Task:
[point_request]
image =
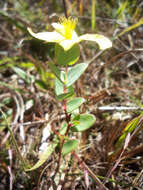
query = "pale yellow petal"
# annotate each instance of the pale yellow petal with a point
(75, 36)
(68, 43)
(101, 40)
(58, 27)
(47, 36)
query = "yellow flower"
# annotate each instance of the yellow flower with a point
(66, 36)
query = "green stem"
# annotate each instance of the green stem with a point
(67, 120)
(93, 17)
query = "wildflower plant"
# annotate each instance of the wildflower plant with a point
(66, 55)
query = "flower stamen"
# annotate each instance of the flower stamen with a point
(69, 25)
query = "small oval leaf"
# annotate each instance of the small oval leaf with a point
(85, 122)
(74, 104)
(75, 72)
(63, 128)
(65, 96)
(59, 89)
(56, 71)
(59, 86)
(69, 146)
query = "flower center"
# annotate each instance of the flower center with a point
(69, 25)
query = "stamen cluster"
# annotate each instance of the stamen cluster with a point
(69, 25)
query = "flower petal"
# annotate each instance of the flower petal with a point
(102, 41)
(58, 27)
(47, 36)
(68, 43)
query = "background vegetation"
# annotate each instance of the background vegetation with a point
(112, 86)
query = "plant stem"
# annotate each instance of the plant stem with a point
(67, 120)
(93, 17)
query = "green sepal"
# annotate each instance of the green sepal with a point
(69, 57)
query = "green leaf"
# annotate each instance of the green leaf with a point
(41, 84)
(132, 27)
(85, 122)
(65, 95)
(75, 122)
(69, 146)
(56, 71)
(74, 104)
(22, 74)
(23, 161)
(69, 57)
(44, 156)
(27, 65)
(128, 129)
(59, 89)
(8, 60)
(42, 72)
(59, 86)
(63, 128)
(121, 9)
(75, 72)
(76, 118)
(3, 123)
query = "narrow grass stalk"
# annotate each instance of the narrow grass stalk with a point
(24, 164)
(93, 14)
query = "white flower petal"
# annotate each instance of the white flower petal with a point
(58, 27)
(74, 35)
(102, 41)
(68, 43)
(47, 36)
